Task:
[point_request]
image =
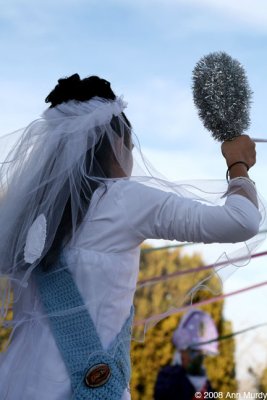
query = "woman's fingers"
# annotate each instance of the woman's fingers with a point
(242, 148)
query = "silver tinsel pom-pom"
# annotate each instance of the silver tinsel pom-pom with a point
(222, 95)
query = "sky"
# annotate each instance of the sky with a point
(147, 49)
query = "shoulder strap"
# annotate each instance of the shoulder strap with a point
(95, 374)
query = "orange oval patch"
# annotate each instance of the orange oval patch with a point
(97, 375)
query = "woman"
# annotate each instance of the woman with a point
(74, 219)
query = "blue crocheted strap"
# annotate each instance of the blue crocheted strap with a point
(118, 359)
(77, 339)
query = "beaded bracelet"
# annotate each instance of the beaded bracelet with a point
(230, 166)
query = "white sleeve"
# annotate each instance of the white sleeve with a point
(155, 214)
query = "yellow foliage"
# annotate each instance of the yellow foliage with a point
(263, 382)
(157, 350)
(5, 332)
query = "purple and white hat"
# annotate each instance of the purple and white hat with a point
(195, 328)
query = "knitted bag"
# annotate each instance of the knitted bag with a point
(95, 374)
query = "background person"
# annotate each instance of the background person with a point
(187, 375)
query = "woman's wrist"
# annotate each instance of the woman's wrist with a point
(237, 169)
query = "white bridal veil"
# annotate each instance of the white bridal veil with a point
(53, 164)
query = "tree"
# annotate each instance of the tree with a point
(5, 332)
(157, 350)
(263, 382)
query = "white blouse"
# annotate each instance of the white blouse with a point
(104, 261)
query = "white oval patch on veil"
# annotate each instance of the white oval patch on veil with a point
(35, 240)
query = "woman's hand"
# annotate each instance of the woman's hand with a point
(242, 149)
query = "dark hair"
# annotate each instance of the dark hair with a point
(74, 88)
